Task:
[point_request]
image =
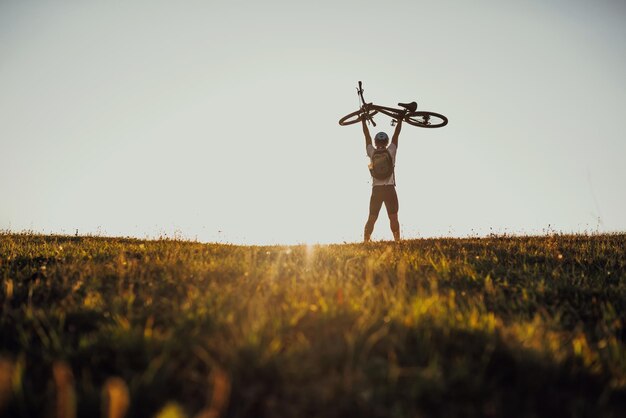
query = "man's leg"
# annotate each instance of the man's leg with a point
(376, 203)
(369, 227)
(392, 206)
(395, 226)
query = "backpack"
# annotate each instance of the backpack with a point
(381, 165)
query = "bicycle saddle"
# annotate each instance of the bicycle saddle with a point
(411, 107)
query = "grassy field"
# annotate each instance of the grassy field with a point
(476, 327)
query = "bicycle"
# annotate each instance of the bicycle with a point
(408, 113)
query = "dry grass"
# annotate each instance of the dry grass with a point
(501, 326)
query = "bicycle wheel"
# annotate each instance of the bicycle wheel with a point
(426, 119)
(355, 117)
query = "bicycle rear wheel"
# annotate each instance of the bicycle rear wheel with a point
(426, 119)
(355, 117)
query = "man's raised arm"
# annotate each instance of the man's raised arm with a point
(396, 133)
(366, 132)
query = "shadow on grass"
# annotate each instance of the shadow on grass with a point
(394, 370)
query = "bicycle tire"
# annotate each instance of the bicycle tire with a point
(424, 119)
(346, 120)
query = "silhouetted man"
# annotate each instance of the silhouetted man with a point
(383, 189)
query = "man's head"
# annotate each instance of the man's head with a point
(381, 140)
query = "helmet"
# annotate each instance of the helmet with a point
(381, 137)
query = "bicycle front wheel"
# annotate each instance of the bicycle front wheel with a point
(355, 117)
(426, 119)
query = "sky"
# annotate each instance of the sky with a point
(217, 121)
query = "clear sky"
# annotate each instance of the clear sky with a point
(217, 120)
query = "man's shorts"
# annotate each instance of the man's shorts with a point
(386, 194)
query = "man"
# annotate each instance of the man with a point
(383, 190)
